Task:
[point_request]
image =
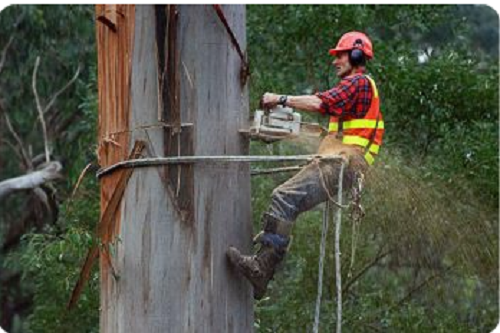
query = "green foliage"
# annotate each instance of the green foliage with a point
(51, 264)
(448, 115)
(50, 254)
(51, 261)
(49, 32)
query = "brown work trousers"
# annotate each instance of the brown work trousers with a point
(317, 182)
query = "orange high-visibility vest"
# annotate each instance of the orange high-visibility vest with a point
(366, 132)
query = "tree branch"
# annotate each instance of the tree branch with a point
(14, 148)
(66, 86)
(26, 159)
(40, 110)
(4, 53)
(421, 286)
(31, 180)
(372, 263)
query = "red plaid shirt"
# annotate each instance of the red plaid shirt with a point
(352, 96)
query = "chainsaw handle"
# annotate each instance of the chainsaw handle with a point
(269, 105)
(263, 107)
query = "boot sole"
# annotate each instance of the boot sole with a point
(233, 254)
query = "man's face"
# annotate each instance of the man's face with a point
(342, 65)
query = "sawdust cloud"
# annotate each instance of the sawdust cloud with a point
(431, 222)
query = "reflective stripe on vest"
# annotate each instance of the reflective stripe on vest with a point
(374, 86)
(356, 124)
(360, 141)
(369, 158)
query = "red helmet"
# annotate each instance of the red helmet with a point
(354, 40)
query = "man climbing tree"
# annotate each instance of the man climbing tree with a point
(355, 133)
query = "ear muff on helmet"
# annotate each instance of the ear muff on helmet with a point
(356, 55)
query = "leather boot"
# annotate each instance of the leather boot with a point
(259, 269)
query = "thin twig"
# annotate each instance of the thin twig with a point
(372, 263)
(4, 53)
(26, 159)
(421, 286)
(380, 311)
(66, 86)
(40, 110)
(80, 178)
(14, 148)
(69, 205)
(11, 39)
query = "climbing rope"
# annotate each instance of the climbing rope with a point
(356, 214)
(324, 232)
(325, 187)
(337, 251)
(338, 276)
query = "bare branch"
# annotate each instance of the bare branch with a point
(31, 180)
(380, 255)
(40, 111)
(66, 86)
(37, 160)
(14, 148)
(80, 178)
(19, 19)
(4, 53)
(25, 158)
(42, 196)
(61, 125)
(11, 39)
(425, 283)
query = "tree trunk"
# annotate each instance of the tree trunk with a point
(170, 76)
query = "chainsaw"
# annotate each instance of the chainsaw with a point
(281, 123)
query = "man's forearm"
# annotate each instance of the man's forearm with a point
(309, 103)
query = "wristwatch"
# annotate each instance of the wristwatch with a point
(282, 100)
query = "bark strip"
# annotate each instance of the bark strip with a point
(105, 227)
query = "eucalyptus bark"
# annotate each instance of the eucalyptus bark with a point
(182, 96)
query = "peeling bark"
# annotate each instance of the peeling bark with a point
(174, 227)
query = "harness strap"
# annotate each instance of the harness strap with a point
(340, 129)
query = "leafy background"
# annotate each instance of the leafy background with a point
(426, 255)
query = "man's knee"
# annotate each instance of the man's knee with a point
(278, 193)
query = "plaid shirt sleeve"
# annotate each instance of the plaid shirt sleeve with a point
(352, 96)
